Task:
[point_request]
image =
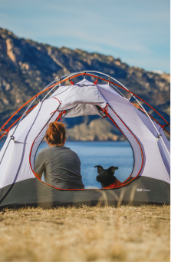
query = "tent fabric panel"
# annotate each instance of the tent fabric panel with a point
(153, 162)
(163, 143)
(8, 169)
(13, 169)
(20, 144)
(82, 110)
(164, 147)
(25, 124)
(32, 192)
(86, 93)
(147, 122)
(5, 161)
(134, 144)
(164, 138)
(109, 89)
(5, 145)
(164, 154)
(126, 112)
(61, 89)
(84, 82)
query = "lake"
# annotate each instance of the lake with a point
(105, 153)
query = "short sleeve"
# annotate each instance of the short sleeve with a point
(39, 166)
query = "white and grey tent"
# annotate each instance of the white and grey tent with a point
(149, 181)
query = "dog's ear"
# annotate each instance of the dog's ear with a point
(113, 168)
(99, 168)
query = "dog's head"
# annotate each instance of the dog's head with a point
(106, 176)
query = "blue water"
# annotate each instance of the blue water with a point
(105, 154)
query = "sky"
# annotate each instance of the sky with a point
(136, 31)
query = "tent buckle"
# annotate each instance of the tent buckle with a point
(159, 136)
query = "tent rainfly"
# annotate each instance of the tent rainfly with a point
(149, 181)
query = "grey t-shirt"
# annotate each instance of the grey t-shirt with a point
(61, 167)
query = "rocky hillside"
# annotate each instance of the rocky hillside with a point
(27, 66)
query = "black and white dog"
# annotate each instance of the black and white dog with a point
(106, 176)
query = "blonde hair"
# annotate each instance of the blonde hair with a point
(55, 134)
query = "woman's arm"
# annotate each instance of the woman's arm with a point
(39, 166)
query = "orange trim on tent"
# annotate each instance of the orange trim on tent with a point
(69, 78)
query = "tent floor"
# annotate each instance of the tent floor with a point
(32, 192)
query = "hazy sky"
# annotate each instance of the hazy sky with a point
(137, 31)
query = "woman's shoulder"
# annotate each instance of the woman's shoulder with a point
(71, 152)
(69, 149)
(44, 151)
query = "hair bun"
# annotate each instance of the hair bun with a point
(55, 133)
(53, 127)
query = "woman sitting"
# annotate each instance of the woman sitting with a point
(61, 166)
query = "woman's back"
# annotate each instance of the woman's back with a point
(61, 167)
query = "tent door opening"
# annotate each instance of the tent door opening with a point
(112, 152)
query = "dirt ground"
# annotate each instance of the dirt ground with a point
(123, 233)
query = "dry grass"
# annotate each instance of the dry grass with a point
(86, 234)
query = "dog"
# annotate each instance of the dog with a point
(106, 177)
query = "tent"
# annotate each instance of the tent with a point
(149, 181)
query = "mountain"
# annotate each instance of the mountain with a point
(26, 67)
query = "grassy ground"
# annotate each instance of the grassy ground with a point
(123, 233)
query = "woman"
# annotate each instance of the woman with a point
(61, 166)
